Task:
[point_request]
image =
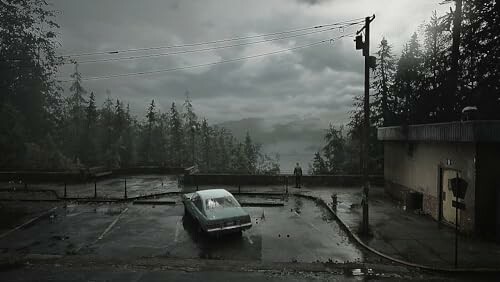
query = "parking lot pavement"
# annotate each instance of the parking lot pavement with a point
(297, 231)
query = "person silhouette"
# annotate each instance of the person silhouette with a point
(297, 171)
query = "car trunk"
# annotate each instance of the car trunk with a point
(235, 213)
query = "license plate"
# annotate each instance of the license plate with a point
(229, 223)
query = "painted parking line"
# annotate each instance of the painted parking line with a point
(248, 238)
(177, 228)
(27, 222)
(103, 233)
(111, 225)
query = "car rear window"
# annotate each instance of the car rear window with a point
(222, 202)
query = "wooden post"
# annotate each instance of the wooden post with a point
(125, 188)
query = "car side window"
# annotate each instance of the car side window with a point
(198, 203)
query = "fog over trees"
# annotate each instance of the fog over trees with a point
(40, 128)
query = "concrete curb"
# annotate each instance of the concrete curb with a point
(358, 240)
(149, 202)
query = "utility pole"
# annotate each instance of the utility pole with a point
(369, 62)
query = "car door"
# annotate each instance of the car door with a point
(198, 207)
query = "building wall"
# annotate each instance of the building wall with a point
(415, 166)
(488, 190)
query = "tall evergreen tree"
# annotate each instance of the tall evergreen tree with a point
(30, 101)
(251, 154)
(408, 82)
(76, 107)
(479, 82)
(205, 145)
(190, 130)
(383, 100)
(318, 166)
(176, 136)
(434, 102)
(91, 152)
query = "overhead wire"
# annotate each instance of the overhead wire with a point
(212, 63)
(207, 49)
(112, 52)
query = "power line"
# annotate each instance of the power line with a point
(206, 49)
(112, 52)
(212, 63)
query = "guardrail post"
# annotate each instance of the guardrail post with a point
(286, 183)
(95, 188)
(65, 194)
(125, 188)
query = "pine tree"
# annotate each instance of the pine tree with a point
(148, 134)
(205, 145)
(409, 77)
(106, 117)
(130, 155)
(76, 103)
(190, 130)
(480, 56)
(31, 107)
(91, 152)
(251, 156)
(383, 101)
(176, 137)
(319, 166)
(334, 149)
(434, 103)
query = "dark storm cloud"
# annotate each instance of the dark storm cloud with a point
(316, 83)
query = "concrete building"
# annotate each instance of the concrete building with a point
(423, 158)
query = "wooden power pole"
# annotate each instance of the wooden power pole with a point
(369, 63)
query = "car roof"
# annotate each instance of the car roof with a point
(213, 193)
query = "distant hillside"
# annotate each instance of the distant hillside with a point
(295, 141)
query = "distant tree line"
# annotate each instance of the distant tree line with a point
(427, 83)
(42, 128)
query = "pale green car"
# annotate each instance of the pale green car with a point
(216, 211)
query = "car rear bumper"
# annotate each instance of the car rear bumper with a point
(233, 228)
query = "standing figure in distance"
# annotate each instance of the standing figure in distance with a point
(297, 171)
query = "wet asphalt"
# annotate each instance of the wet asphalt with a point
(298, 231)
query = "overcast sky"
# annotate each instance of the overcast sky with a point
(312, 83)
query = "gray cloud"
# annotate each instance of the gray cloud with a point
(316, 83)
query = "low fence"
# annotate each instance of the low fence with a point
(308, 180)
(88, 174)
(149, 170)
